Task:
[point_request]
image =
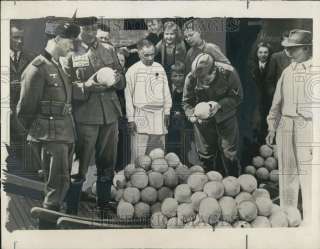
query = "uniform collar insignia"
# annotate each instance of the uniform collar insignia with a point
(53, 75)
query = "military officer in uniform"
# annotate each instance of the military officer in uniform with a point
(44, 109)
(96, 110)
(218, 83)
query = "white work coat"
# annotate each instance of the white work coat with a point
(147, 98)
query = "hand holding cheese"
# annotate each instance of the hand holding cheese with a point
(105, 76)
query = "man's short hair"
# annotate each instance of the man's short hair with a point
(17, 26)
(192, 25)
(179, 67)
(153, 19)
(144, 43)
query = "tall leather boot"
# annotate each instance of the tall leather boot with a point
(73, 197)
(208, 164)
(104, 196)
(231, 167)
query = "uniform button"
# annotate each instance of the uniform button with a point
(51, 117)
(55, 84)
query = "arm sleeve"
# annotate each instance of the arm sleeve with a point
(117, 66)
(128, 93)
(274, 116)
(189, 97)
(233, 98)
(188, 62)
(217, 53)
(32, 84)
(271, 74)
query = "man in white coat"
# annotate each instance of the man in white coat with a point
(148, 102)
(290, 119)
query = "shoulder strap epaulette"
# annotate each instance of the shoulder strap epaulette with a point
(224, 66)
(38, 61)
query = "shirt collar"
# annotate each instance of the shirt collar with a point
(305, 64)
(202, 45)
(12, 54)
(92, 45)
(262, 63)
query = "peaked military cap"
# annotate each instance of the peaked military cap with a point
(67, 30)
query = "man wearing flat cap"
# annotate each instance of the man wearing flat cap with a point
(44, 110)
(290, 124)
(96, 110)
(218, 85)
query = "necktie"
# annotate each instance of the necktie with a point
(15, 58)
(261, 67)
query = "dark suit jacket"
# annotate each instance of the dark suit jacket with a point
(15, 76)
(259, 75)
(278, 62)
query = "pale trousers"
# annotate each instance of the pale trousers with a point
(294, 144)
(142, 144)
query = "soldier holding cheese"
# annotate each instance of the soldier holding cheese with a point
(219, 86)
(96, 111)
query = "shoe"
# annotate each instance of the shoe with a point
(107, 210)
(72, 198)
(85, 196)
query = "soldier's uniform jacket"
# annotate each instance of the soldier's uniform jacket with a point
(225, 89)
(94, 104)
(44, 107)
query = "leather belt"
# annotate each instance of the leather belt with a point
(55, 108)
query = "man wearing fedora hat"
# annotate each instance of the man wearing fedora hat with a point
(44, 110)
(290, 122)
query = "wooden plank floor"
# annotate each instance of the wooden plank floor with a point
(19, 207)
(19, 217)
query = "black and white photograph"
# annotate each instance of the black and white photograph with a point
(174, 122)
